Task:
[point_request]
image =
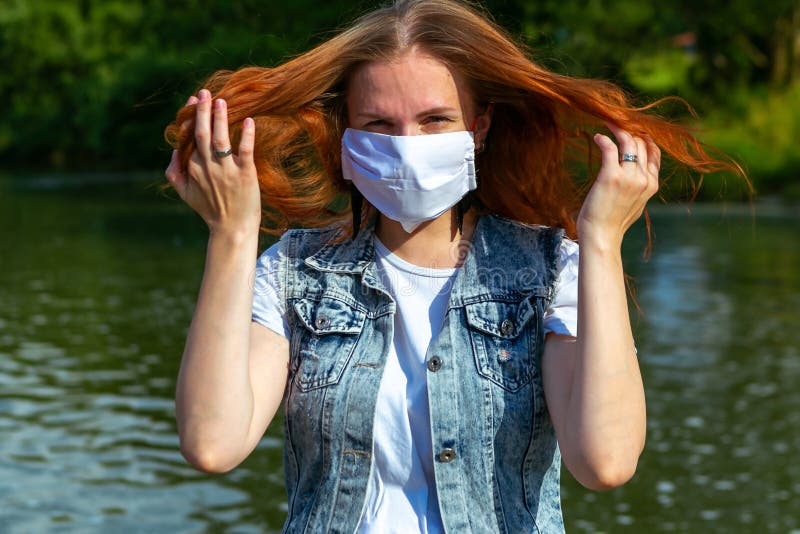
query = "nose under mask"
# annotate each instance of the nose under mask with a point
(410, 179)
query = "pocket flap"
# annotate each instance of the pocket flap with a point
(329, 315)
(500, 319)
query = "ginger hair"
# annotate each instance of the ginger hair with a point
(540, 119)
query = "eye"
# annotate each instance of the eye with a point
(439, 118)
(377, 122)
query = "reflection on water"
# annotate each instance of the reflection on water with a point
(719, 351)
(97, 289)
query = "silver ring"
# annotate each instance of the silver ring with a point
(219, 154)
(629, 157)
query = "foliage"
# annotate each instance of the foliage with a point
(763, 133)
(90, 84)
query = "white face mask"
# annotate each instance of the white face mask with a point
(412, 178)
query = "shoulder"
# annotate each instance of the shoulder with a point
(536, 239)
(294, 244)
(303, 242)
(530, 251)
(500, 221)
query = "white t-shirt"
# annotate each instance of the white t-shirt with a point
(401, 494)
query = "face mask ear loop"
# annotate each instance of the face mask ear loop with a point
(478, 147)
(464, 204)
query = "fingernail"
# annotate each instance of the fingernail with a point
(219, 103)
(248, 122)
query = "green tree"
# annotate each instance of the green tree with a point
(90, 84)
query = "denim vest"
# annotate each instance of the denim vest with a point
(497, 463)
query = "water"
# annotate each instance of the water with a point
(97, 286)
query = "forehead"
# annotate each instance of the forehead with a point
(413, 81)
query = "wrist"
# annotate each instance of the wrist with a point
(599, 242)
(234, 236)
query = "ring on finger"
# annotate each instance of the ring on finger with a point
(629, 157)
(219, 154)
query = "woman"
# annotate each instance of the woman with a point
(438, 345)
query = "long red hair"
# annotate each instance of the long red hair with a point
(539, 124)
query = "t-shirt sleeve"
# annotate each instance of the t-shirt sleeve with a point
(268, 308)
(562, 315)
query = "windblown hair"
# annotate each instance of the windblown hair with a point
(540, 119)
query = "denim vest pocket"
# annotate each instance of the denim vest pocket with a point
(503, 335)
(323, 339)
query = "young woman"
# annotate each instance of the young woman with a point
(438, 344)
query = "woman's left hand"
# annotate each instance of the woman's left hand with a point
(592, 382)
(622, 188)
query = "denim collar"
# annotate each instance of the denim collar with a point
(354, 255)
(350, 256)
(479, 276)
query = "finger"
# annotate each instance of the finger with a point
(608, 150)
(627, 144)
(653, 166)
(220, 139)
(173, 172)
(197, 172)
(192, 100)
(175, 176)
(643, 179)
(202, 124)
(196, 168)
(247, 143)
(653, 157)
(641, 153)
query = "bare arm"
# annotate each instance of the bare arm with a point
(593, 384)
(233, 371)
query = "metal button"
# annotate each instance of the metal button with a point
(507, 327)
(434, 363)
(323, 321)
(447, 455)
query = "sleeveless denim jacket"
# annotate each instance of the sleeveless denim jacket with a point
(497, 463)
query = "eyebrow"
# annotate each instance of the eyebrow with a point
(432, 111)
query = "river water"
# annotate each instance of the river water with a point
(97, 286)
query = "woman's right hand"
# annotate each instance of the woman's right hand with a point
(233, 371)
(222, 190)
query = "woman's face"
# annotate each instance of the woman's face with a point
(414, 94)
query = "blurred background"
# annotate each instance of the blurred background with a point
(99, 270)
